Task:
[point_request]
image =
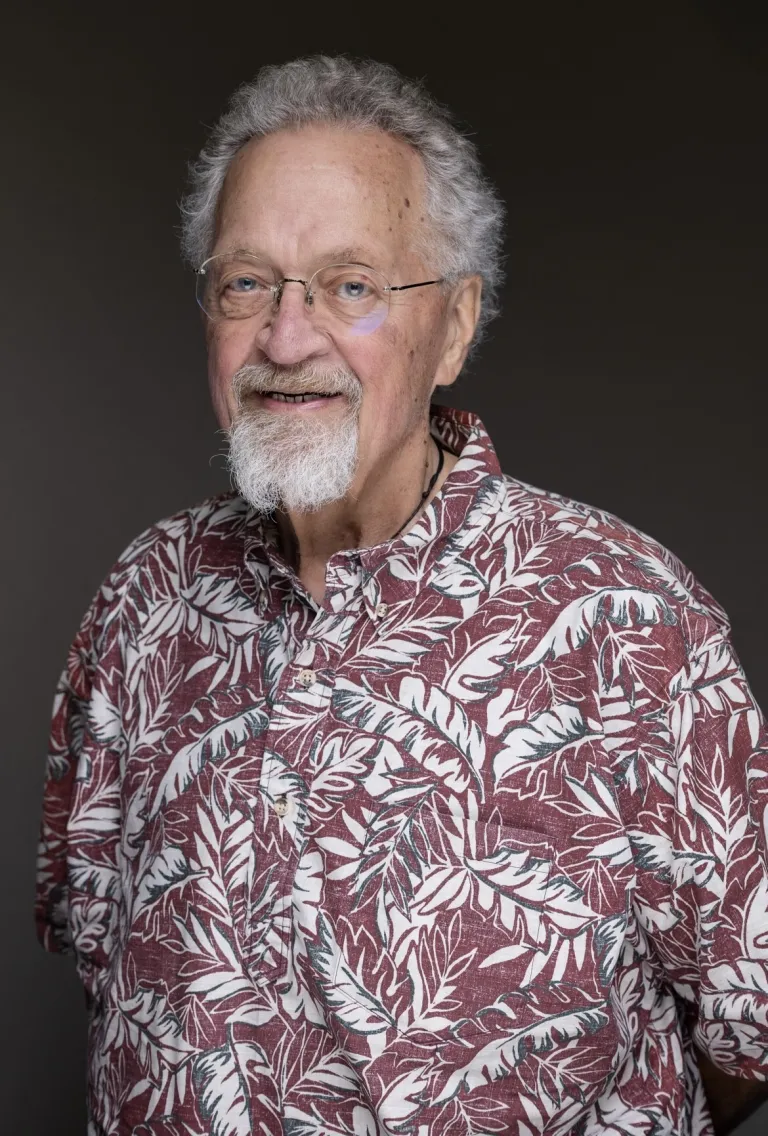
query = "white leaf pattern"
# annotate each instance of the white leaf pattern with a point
(397, 862)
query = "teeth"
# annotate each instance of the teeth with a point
(280, 397)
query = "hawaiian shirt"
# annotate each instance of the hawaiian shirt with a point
(476, 845)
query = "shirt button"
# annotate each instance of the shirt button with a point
(280, 805)
(381, 611)
(307, 678)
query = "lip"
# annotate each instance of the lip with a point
(277, 405)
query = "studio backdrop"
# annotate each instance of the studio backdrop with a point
(626, 370)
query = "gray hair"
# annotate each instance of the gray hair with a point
(465, 212)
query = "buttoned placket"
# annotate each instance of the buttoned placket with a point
(378, 587)
(364, 584)
(308, 680)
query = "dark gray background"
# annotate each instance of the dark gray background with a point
(629, 141)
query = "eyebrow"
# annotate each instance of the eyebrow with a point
(348, 255)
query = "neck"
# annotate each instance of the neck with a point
(378, 504)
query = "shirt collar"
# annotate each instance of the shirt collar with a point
(456, 516)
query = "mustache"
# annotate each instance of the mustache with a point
(303, 378)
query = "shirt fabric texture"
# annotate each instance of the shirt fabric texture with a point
(475, 846)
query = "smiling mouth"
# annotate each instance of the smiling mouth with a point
(279, 396)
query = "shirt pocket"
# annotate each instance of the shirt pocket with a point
(437, 926)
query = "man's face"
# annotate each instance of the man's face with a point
(301, 200)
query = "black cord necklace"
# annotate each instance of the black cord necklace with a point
(428, 490)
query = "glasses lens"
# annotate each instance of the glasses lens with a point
(352, 292)
(234, 286)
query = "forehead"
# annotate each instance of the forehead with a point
(300, 192)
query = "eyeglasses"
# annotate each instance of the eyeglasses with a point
(238, 286)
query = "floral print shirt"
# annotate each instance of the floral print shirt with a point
(475, 846)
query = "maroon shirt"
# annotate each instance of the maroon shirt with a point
(477, 845)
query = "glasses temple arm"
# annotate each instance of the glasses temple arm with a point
(421, 284)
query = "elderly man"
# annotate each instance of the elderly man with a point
(389, 794)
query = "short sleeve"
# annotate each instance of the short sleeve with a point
(698, 809)
(77, 887)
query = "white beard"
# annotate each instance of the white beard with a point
(298, 462)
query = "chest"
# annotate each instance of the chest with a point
(367, 778)
(378, 822)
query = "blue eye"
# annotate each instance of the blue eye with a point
(245, 284)
(354, 290)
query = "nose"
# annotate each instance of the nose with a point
(290, 335)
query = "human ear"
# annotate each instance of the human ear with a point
(461, 321)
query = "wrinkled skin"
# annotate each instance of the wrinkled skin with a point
(302, 199)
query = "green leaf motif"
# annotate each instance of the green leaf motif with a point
(219, 737)
(227, 1083)
(168, 868)
(543, 736)
(501, 1056)
(609, 943)
(425, 721)
(623, 607)
(154, 1029)
(346, 995)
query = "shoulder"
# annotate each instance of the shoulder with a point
(588, 547)
(170, 551)
(214, 521)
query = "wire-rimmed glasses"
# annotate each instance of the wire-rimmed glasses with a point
(238, 285)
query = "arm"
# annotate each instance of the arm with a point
(696, 816)
(731, 1099)
(68, 728)
(77, 873)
